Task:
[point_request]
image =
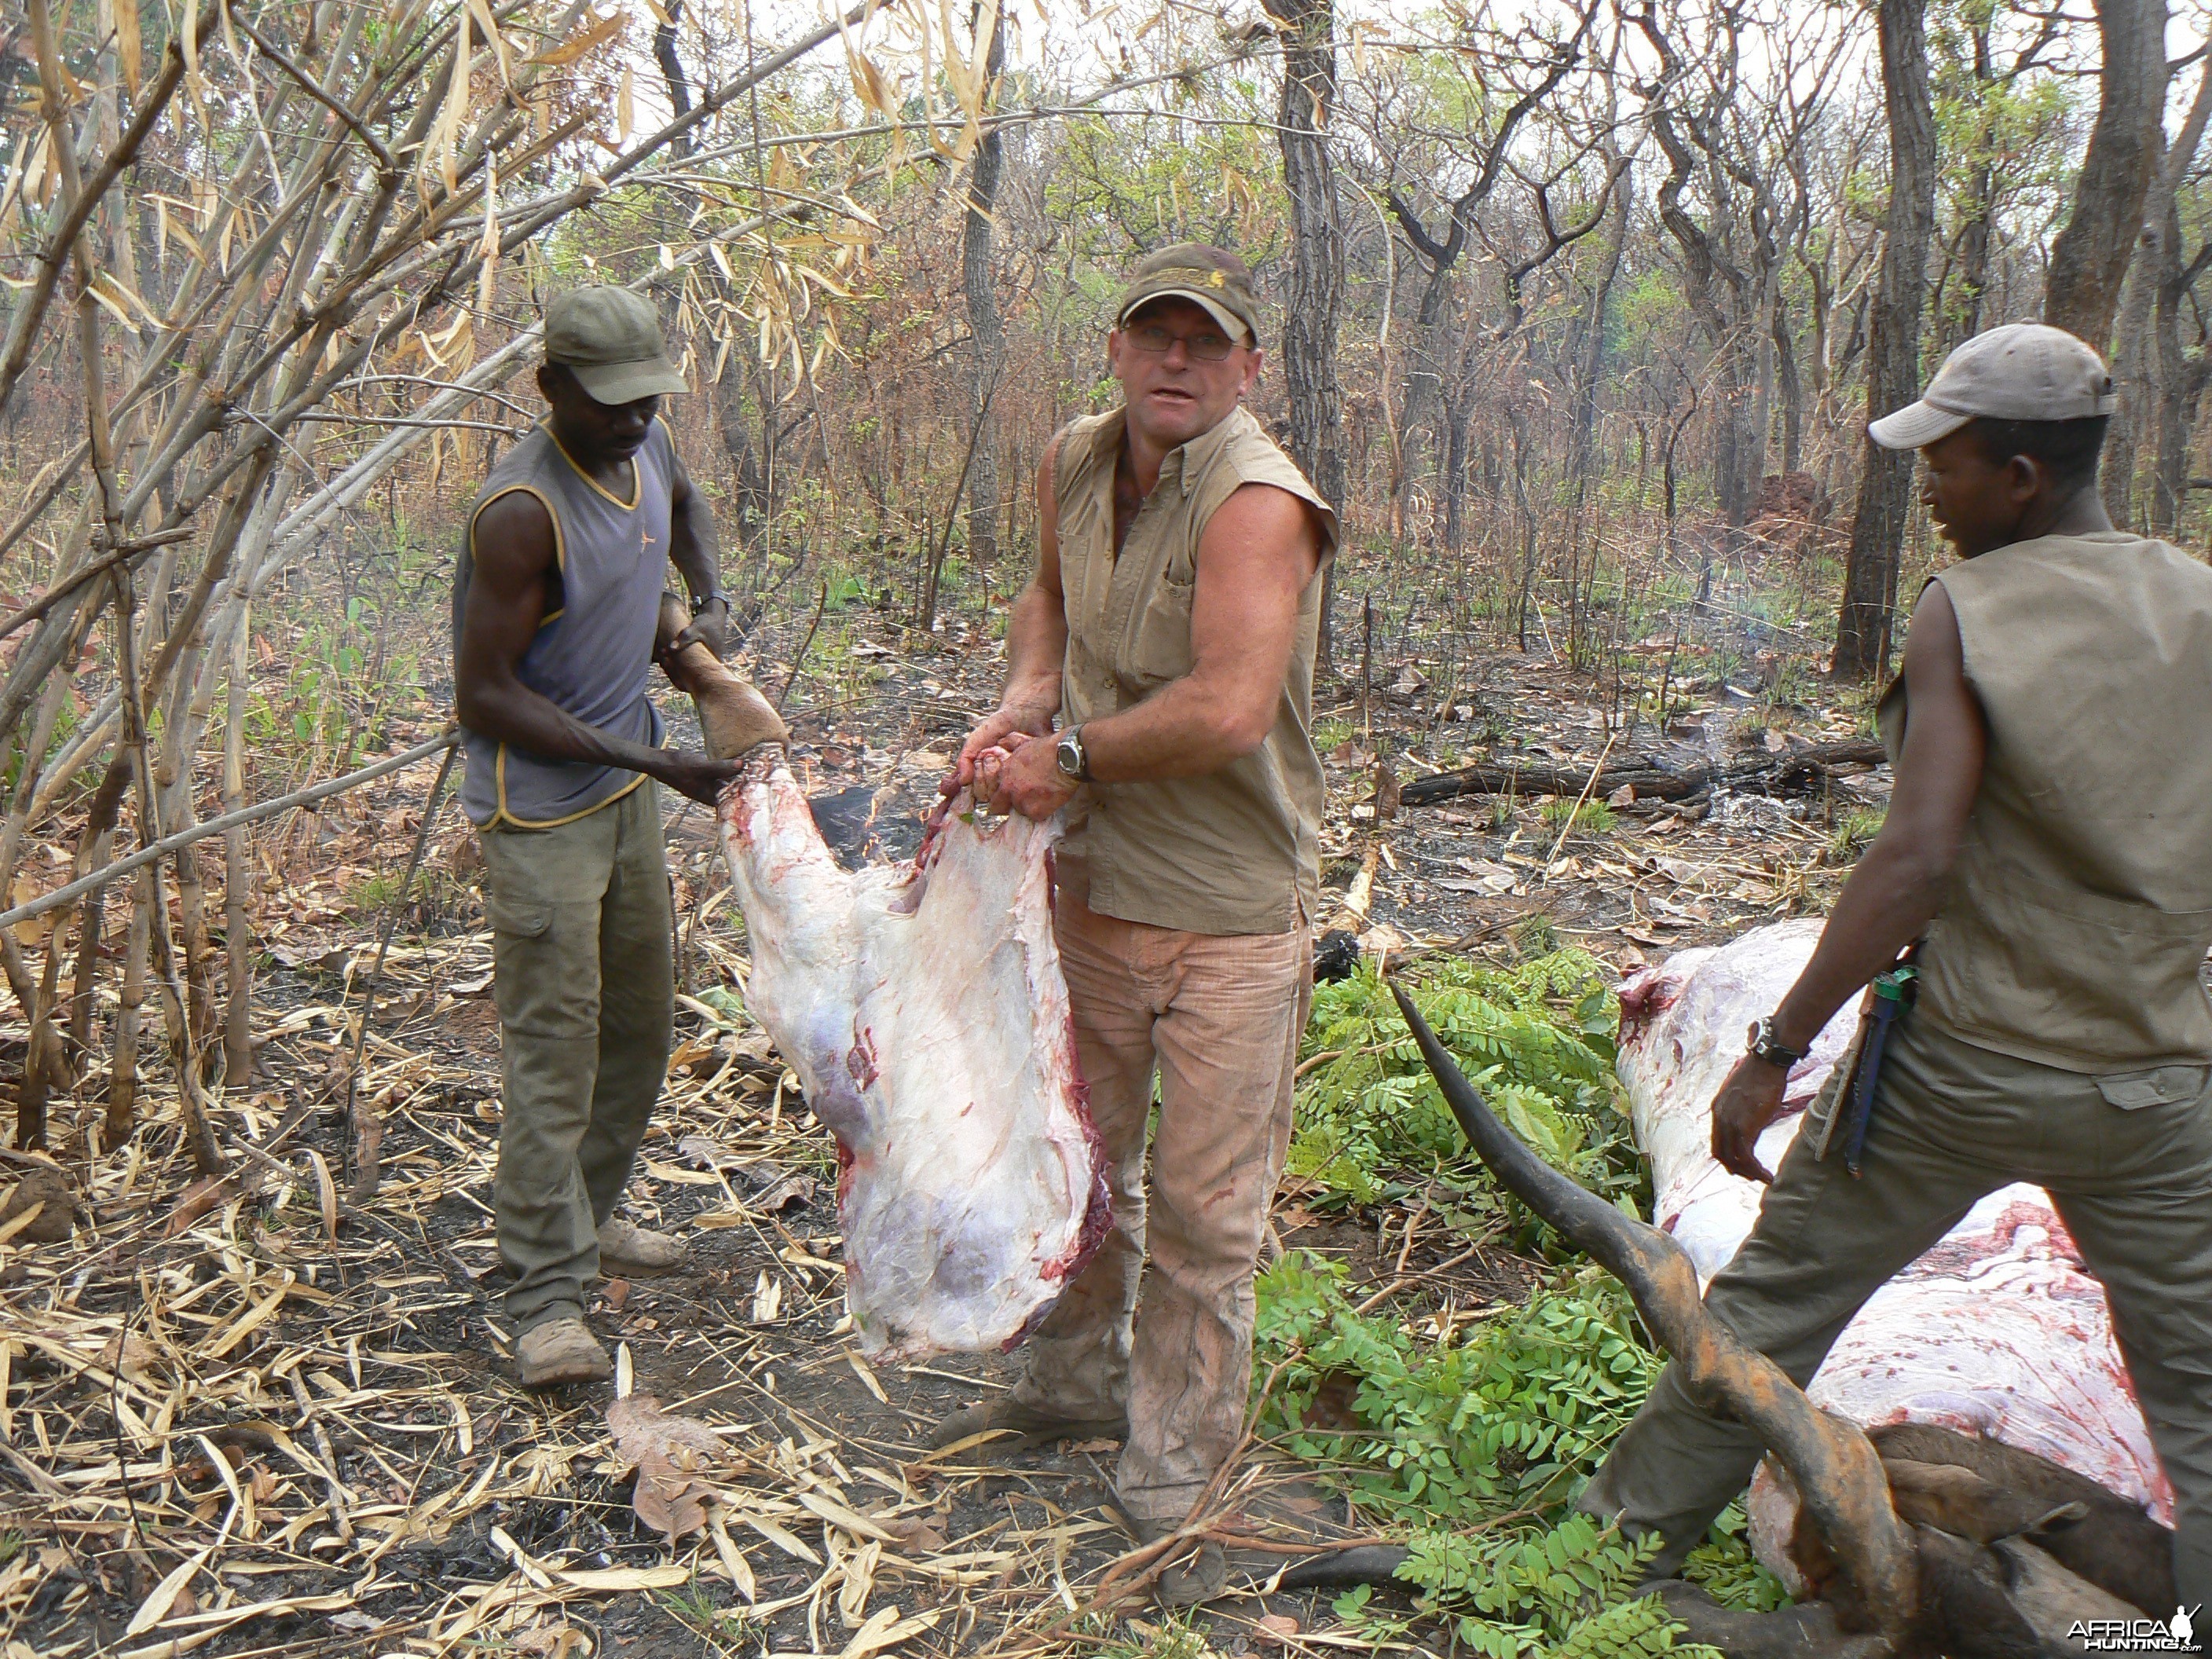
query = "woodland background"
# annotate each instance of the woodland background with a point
(1580, 305)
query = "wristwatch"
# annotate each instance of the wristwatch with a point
(712, 595)
(1762, 1046)
(1067, 755)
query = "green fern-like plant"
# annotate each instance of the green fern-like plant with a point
(1642, 1629)
(1537, 1039)
(1725, 1569)
(1509, 1418)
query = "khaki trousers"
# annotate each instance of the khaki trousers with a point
(2128, 1162)
(583, 969)
(1219, 1018)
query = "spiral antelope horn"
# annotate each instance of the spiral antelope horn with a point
(1840, 1477)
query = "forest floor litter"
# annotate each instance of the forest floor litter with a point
(251, 1418)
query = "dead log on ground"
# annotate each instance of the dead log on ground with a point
(1798, 768)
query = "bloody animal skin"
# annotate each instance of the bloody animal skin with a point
(1998, 1331)
(923, 1009)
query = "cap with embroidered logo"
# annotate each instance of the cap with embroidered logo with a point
(1206, 276)
(2019, 371)
(609, 340)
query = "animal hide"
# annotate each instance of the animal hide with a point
(1999, 1330)
(922, 1007)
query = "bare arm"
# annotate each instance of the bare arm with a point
(512, 552)
(1898, 886)
(1259, 553)
(695, 548)
(1037, 640)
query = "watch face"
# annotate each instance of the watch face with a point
(1069, 754)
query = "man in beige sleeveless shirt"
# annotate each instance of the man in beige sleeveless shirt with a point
(1171, 626)
(2050, 843)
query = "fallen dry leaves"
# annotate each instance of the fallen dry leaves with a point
(670, 1457)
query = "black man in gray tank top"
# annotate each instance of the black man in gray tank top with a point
(556, 599)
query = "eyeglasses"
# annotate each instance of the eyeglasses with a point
(1206, 348)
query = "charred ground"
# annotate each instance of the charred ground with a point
(320, 1449)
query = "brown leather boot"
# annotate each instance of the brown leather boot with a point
(629, 1251)
(1200, 1577)
(734, 717)
(560, 1350)
(1198, 1573)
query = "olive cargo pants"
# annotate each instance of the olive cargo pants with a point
(583, 969)
(2128, 1162)
(1219, 1018)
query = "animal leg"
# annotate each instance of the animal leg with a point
(733, 716)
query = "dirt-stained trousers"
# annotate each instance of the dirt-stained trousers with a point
(1218, 1018)
(583, 969)
(2127, 1159)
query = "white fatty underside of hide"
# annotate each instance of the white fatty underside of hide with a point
(922, 1007)
(1998, 1330)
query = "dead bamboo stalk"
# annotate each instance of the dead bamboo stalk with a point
(123, 1065)
(238, 1012)
(147, 854)
(368, 1121)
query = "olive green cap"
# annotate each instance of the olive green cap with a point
(609, 340)
(1204, 274)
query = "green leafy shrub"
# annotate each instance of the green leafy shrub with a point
(1537, 1039)
(1526, 1592)
(1480, 1439)
(1480, 1443)
(1724, 1567)
(1641, 1628)
(1508, 1420)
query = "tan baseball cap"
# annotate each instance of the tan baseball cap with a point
(609, 340)
(1204, 274)
(2020, 372)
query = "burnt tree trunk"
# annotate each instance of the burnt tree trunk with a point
(1963, 320)
(2089, 261)
(1789, 385)
(1590, 356)
(2179, 380)
(1974, 255)
(2144, 363)
(1316, 290)
(987, 337)
(1870, 568)
(746, 468)
(672, 71)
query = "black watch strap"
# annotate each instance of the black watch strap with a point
(1764, 1047)
(712, 595)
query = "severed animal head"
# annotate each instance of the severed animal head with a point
(1930, 1541)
